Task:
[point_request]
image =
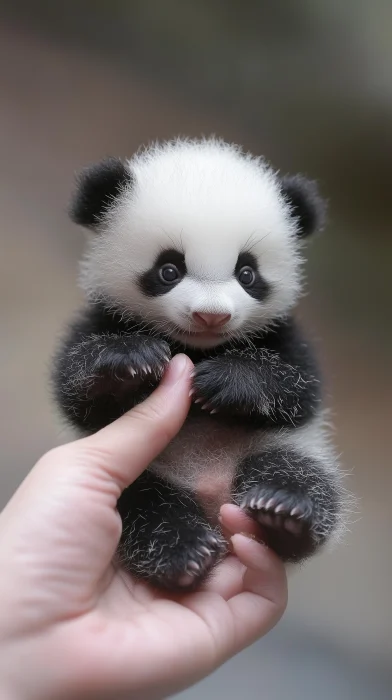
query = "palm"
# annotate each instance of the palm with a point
(129, 634)
(134, 632)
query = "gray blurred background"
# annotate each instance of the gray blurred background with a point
(309, 85)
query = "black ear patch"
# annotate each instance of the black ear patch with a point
(97, 186)
(307, 206)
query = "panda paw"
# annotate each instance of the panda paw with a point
(286, 519)
(189, 563)
(212, 388)
(149, 360)
(132, 358)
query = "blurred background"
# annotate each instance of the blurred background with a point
(309, 85)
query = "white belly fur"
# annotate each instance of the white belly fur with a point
(206, 453)
(203, 458)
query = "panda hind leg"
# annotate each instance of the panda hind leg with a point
(294, 498)
(167, 540)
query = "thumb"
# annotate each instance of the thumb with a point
(125, 448)
(113, 457)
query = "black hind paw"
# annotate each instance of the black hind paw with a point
(188, 563)
(286, 519)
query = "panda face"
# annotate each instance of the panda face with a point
(199, 309)
(195, 239)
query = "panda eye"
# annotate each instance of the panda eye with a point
(169, 273)
(246, 276)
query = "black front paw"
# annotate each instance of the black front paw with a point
(222, 385)
(133, 359)
(287, 519)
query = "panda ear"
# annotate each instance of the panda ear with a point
(97, 187)
(307, 206)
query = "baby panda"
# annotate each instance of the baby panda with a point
(195, 247)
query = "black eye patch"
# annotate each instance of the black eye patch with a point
(168, 270)
(248, 276)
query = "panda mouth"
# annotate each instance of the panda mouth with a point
(204, 334)
(210, 337)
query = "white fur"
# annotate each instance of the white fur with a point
(210, 201)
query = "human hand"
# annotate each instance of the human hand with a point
(72, 624)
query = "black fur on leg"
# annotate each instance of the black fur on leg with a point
(166, 539)
(293, 497)
(98, 376)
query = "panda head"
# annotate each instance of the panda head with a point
(195, 238)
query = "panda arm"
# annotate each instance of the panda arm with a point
(102, 369)
(274, 382)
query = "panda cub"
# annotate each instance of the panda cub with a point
(196, 248)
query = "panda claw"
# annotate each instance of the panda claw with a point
(296, 513)
(279, 508)
(194, 566)
(204, 550)
(212, 539)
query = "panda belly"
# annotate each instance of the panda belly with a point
(203, 458)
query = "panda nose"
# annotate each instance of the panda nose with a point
(211, 320)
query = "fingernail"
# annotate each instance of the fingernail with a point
(249, 536)
(175, 370)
